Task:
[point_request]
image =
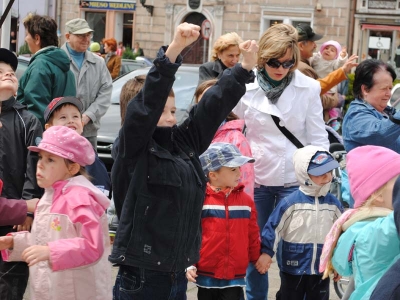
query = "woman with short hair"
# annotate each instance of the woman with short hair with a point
(113, 61)
(225, 54)
(282, 92)
(48, 75)
(369, 120)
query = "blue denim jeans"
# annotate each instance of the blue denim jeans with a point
(141, 284)
(265, 198)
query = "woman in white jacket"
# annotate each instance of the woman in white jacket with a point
(282, 91)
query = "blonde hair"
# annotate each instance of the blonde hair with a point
(224, 42)
(370, 202)
(274, 43)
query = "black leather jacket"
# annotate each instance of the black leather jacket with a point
(157, 177)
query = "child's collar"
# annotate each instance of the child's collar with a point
(226, 190)
(366, 213)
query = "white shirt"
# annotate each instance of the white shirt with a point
(299, 109)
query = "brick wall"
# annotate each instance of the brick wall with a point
(242, 16)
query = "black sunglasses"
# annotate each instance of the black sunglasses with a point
(274, 63)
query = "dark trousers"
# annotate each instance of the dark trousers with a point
(303, 287)
(232, 293)
(13, 280)
(141, 284)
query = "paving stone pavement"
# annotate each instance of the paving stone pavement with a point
(274, 283)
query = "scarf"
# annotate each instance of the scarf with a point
(108, 56)
(272, 92)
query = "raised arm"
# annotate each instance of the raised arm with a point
(185, 34)
(205, 118)
(144, 111)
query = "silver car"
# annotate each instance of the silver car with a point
(184, 87)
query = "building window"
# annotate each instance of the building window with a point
(97, 21)
(269, 22)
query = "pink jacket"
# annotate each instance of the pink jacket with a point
(231, 132)
(70, 218)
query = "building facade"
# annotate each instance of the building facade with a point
(21, 8)
(369, 28)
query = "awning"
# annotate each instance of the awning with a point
(380, 27)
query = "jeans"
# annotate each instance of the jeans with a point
(141, 284)
(13, 280)
(230, 293)
(265, 198)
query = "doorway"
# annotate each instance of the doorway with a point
(193, 54)
(127, 30)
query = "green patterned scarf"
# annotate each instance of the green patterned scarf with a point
(271, 91)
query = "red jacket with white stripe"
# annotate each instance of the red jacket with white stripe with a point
(230, 234)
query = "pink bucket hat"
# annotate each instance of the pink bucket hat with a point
(369, 168)
(331, 43)
(66, 143)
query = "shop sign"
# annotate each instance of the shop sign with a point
(107, 5)
(379, 43)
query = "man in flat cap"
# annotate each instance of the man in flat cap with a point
(93, 81)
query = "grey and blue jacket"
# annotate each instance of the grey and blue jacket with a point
(301, 221)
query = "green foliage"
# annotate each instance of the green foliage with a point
(24, 49)
(128, 54)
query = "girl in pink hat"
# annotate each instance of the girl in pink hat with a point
(68, 245)
(364, 241)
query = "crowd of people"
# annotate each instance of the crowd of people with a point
(245, 177)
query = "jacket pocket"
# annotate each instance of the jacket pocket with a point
(162, 169)
(157, 224)
(293, 255)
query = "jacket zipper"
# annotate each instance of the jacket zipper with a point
(314, 255)
(227, 234)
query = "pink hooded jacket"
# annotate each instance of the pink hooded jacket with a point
(231, 132)
(70, 218)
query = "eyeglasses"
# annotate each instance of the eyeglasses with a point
(274, 63)
(83, 35)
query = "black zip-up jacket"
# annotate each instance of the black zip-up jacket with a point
(157, 178)
(17, 164)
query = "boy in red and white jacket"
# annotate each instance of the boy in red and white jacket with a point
(230, 234)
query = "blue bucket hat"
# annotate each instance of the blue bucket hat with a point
(222, 155)
(322, 162)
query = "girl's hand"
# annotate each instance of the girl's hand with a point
(249, 51)
(34, 254)
(191, 274)
(6, 242)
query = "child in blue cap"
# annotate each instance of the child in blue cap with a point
(302, 220)
(230, 234)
